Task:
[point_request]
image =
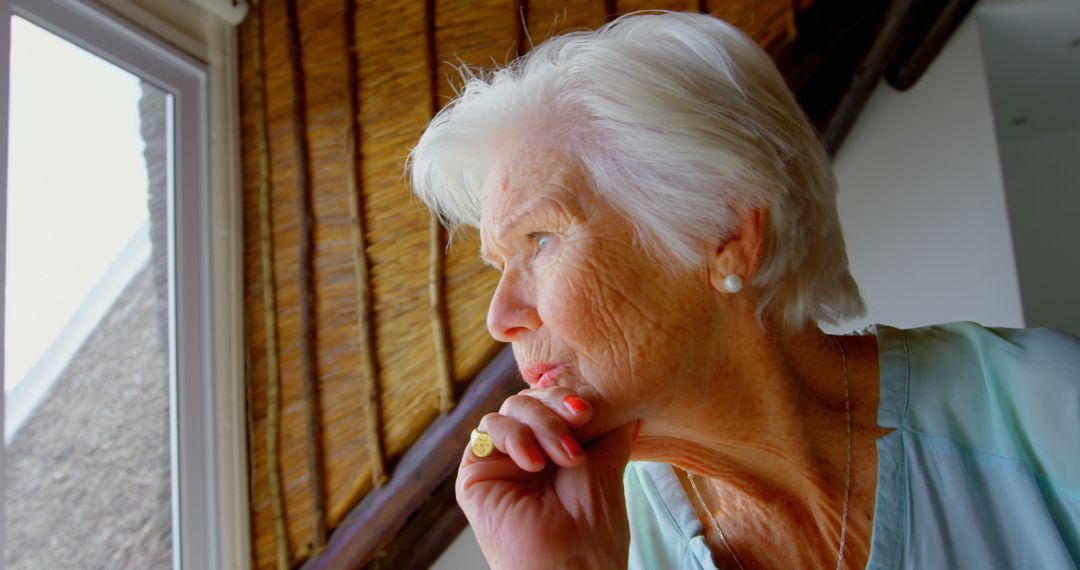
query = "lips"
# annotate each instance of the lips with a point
(541, 374)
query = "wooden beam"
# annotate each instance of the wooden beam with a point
(934, 24)
(867, 75)
(838, 58)
(833, 38)
(428, 533)
(831, 35)
(844, 48)
(427, 465)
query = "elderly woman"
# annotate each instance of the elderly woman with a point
(664, 220)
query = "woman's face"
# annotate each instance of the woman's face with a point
(583, 304)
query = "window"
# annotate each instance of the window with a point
(113, 338)
(86, 363)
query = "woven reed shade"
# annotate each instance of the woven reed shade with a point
(394, 102)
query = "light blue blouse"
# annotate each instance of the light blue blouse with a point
(982, 470)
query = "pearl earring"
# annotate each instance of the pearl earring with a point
(733, 283)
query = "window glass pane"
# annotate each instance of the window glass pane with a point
(86, 343)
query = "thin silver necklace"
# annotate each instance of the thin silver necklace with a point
(847, 478)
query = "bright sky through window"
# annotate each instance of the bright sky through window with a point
(77, 185)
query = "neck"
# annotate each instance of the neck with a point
(770, 431)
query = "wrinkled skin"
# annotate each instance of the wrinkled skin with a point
(577, 290)
(589, 296)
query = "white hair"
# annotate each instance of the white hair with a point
(680, 122)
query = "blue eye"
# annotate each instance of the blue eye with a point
(541, 241)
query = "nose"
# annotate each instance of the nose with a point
(512, 313)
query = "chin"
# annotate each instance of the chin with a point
(607, 417)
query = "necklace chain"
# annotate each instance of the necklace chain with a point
(847, 468)
(847, 478)
(712, 519)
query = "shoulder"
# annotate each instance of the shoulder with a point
(958, 356)
(1005, 392)
(967, 356)
(994, 347)
(984, 448)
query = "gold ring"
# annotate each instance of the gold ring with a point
(481, 443)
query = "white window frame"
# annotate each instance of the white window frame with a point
(207, 393)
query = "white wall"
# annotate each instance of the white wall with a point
(922, 203)
(922, 200)
(1032, 65)
(463, 554)
(1042, 177)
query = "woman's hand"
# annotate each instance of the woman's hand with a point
(543, 500)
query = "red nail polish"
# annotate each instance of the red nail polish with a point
(575, 404)
(535, 456)
(573, 449)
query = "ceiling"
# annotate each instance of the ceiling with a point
(1032, 54)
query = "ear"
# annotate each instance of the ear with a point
(741, 254)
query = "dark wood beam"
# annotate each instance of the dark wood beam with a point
(868, 74)
(831, 34)
(845, 47)
(841, 53)
(934, 23)
(429, 464)
(427, 534)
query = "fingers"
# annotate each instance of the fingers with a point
(514, 439)
(563, 402)
(551, 415)
(535, 426)
(476, 470)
